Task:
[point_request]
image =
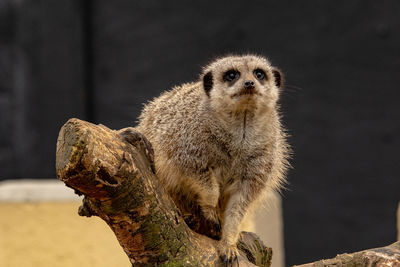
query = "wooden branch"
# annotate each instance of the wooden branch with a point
(119, 185)
(384, 256)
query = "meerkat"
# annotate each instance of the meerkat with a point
(219, 144)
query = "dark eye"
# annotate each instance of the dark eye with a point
(259, 74)
(231, 75)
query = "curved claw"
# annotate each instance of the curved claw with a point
(237, 261)
(229, 257)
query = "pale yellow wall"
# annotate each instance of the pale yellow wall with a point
(266, 221)
(53, 235)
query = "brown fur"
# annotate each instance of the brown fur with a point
(217, 150)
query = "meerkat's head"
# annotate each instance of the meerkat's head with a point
(237, 83)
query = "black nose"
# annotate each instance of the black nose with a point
(249, 84)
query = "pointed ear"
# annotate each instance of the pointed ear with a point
(278, 77)
(208, 82)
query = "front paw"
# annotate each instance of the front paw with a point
(228, 255)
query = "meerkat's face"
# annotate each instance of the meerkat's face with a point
(236, 83)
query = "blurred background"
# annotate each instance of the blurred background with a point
(101, 60)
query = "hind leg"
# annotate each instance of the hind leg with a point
(196, 196)
(201, 217)
(210, 219)
(198, 204)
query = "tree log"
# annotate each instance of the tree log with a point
(118, 182)
(384, 256)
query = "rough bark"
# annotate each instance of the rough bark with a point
(384, 256)
(119, 185)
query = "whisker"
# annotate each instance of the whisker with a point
(293, 87)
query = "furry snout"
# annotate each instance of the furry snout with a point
(248, 91)
(249, 84)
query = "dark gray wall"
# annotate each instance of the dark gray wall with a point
(100, 60)
(41, 82)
